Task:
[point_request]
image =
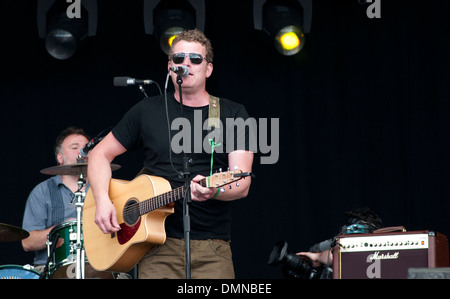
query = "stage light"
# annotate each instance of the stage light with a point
(286, 22)
(166, 19)
(65, 25)
(289, 40)
(64, 36)
(170, 23)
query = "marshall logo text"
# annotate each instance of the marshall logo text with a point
(384, 256)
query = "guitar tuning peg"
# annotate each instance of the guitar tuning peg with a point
(222, 189)
(237, 184)
(236, 168)
(220, 170)
(229, 186)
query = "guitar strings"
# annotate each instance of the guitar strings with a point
(156, 202)
(153, 203)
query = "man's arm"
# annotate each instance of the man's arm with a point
(243, 160)
(37, 240)
(319, 258)
(99, 175)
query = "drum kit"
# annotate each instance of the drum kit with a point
(65, 248)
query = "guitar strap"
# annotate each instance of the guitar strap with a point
(213, 121)
(214, 112)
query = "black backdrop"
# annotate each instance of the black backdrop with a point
(363, 113)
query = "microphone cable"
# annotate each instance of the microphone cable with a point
(179, 173)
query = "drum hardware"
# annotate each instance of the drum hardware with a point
(11, 233)
(72, 169)
(63, 257)
(79, 169)
(79, 196)
(51, 246)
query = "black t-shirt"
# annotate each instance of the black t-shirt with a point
(145, 126)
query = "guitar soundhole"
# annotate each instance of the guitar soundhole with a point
(131, 212)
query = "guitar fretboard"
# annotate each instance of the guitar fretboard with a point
(164, 199)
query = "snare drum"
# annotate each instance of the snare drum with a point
(18, 272)
(64, 258)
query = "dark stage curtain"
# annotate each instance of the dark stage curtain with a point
(363, 114)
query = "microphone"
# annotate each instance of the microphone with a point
(127, 81)
(325, 245)
(91, 144)
(181, 70)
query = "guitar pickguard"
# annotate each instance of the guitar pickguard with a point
(127, 232)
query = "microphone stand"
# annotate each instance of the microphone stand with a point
(187, 197)
(80, 253)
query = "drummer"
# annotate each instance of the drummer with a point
(49, 203)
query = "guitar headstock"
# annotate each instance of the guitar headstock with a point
(220, 179)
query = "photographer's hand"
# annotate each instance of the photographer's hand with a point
(318, 258)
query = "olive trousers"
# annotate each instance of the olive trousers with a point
(210, 258)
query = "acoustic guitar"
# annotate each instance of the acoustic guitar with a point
(142, 206)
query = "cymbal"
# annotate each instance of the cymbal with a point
(11, 233)
(71, 169)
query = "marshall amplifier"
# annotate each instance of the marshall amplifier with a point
(388, 255)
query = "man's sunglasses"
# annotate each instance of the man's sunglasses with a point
(195, 58)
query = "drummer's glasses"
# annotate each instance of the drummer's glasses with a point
(178, 58)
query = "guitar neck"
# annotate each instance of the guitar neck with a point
(164, 199)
